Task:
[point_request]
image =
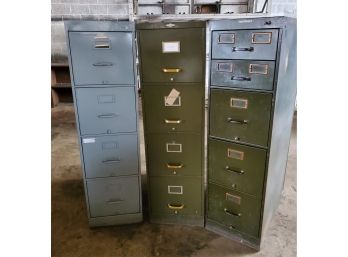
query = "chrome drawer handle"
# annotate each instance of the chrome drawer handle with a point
(111, 161)
(104, 46)
(99, 64)
(232, 213)
(171, 70)
(172, 121)
(240, 78)
(239, 172)
(233, 121)
(242, 49)
(174, 166)
(107, 115)
(115, 201)
(176, 206)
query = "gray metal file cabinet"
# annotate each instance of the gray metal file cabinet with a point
(252, 95)
(102, 65)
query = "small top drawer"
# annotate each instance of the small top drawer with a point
(242, 74)
(106, 110)
(245, 44)
(172, 55)
(102, 58)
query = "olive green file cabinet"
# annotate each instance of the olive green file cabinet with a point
(103, 68)
(251, 104)
(172, 68)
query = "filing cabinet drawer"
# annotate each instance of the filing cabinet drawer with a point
(234, 210)
(245, 44)
(172, 55)
(178, 154)
(174, 108)
(173, 195)
(113, 196)
(110, 155)
(242, 74)
(237, 166)
(240, 115)
(106, 110)
(102, 58)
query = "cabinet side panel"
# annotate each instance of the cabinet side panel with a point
(282, 121)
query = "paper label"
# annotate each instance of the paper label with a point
(88, 140)
(175, 190)
(171, 47)
(172, 97)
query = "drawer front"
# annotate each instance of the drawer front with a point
(173, 108)
(178, 154)
(149, 10)
(106, 110)
(245, 44)
(113, 196)
(242, 74)
(109, 156)
(240, 116)
(173, 195)
(172, 55)
(234, 210)
(233, 8)
(237, 167)
(102, 58)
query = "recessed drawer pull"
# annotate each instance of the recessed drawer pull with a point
(115, 201)
(170, 70)
(107, 115)
(241, 122)
(240, 78)
(174, 166)
(240, 172)
(232, 213)
(111, 161)
(242, 49)
(172, 121)
(104, 46)
(101, 64)
(175, 206)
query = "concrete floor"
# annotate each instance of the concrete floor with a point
(71, 236)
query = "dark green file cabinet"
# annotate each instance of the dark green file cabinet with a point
(251, 104)
(102, 65)
(172, 65)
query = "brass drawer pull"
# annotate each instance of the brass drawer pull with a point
(240, 172)
(111, 161)
(232, 213)
(174, 166)
(233, 121)
(176, 206)
(103, 46)
(107, 115)
(239, 78)
(102, 64)
(170, 70)
(172, 121)
(242, 49)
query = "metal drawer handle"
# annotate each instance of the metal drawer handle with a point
(239, 78)
(240, 172)
(172, 121)
(115, 201)
(232, 213)
(111, 161)
(101, 64)
(174, 166)
(233, 121)
(102, 46)
(171, 70)
(175, 206)
(242, 49)
(107, 115)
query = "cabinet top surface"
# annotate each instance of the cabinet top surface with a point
(74, 25)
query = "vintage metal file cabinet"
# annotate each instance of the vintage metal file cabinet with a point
(172, 74)
(252, 95)
(102, 64)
